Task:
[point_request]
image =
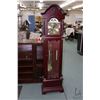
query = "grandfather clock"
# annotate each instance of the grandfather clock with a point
(53, 45)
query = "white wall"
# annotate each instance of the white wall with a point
(74, 15)
(26, 13)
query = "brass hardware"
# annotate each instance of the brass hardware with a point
(56, 55)
(49, 55)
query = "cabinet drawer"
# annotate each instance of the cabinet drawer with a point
(25, 55)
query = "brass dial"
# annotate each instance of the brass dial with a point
(53, 27)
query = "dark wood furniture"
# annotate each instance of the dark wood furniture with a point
(53, 45)
(30, 62)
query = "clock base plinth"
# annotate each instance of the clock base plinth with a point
(52, 85)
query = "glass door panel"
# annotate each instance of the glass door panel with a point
(53, 59)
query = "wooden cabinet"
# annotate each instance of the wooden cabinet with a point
(53, 45)
(30, 62)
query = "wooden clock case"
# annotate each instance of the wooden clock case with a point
(53, 45)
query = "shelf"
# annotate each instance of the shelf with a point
(25, 80)
(26, 66)
(25, 63)
(25, 59)
(25, 69)
(39, 60)
(39, 65)
(26, 72)
(25, 75)
(29, 81)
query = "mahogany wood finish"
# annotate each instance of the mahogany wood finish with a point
(52, 80)
(30, 62)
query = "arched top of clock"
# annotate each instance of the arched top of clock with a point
(54, 11)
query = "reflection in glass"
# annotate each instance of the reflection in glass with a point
(53, 59)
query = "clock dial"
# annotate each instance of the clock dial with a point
(53, 26)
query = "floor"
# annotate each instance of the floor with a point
(72, 74)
